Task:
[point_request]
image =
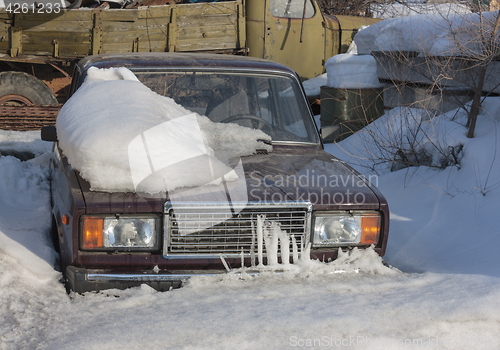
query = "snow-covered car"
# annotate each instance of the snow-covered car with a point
(173, 165)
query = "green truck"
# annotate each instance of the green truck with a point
(39, 48)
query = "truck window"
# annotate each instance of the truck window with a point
(291, 8)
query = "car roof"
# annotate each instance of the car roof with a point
(180, 60)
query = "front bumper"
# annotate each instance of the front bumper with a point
(82, 280)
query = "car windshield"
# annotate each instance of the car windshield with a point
(272, 103)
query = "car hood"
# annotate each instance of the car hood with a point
(288, 174)
(307, 175)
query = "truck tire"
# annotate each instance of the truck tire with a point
(22, 89)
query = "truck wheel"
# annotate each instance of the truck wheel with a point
(22, 89)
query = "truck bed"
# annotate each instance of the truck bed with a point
(72, 34)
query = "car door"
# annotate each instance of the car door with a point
(295, 37)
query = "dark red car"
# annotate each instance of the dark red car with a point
(122, 239)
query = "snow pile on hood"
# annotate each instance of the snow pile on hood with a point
(346, 71)
(431, 34)
(117, 132)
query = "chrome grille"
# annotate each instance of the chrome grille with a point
(215, 230)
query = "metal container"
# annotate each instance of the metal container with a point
(351, 109)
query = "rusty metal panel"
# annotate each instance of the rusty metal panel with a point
(28, 117)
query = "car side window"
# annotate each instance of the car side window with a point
(291, 8)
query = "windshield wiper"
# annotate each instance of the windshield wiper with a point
(267, 142)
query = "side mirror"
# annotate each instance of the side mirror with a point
(49, 133)
(330, 133)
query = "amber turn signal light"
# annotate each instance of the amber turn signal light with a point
(370, 226)
(93, 233)
(65, 219)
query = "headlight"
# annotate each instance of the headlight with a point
(139, 232)
(343, 229)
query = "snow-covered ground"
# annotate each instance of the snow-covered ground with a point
(445, 293)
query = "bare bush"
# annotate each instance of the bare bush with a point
(346, 7)
(461, 61)
(455, 68)
(405, 137)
